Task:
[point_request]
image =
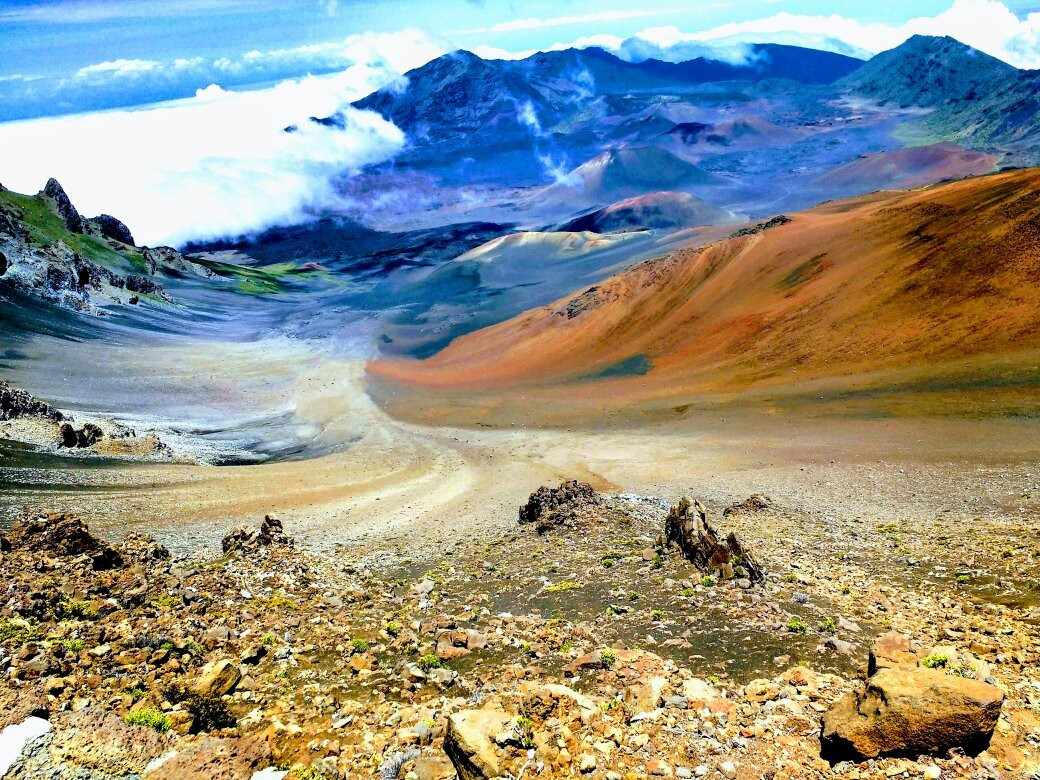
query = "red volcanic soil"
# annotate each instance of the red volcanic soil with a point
(905, 168)
(890, 282)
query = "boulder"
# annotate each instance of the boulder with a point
(249, 538)
(218, 678)
(890, 651)
(909, 712)
(687, 527)
(86, 436)
(213, 758)
(548, 508)
(470, 742)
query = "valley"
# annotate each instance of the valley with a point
(259, 494)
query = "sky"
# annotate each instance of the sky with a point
(169, 113)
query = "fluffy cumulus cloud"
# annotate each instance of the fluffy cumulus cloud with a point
(218, 163)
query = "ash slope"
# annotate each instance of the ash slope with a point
(895, 281)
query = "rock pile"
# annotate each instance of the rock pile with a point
(250, 539)
(549, 508)
(687, 528)
(63, 536)
(757, 502)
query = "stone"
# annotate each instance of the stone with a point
(889, 651)
(218, 678)
(645, 695)
(906, 712)
(15, 403)
(214, 758)
(110, 227)
(469, 742)
(687, 528)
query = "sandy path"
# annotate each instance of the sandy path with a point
(408, 487)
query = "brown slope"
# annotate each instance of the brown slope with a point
(885, 282)
(905, 168)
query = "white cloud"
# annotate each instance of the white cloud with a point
(218, 163)
(533, 23)
(119, 67)
(987, 25)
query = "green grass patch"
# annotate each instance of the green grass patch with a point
(154, 719)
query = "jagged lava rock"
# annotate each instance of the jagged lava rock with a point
(15, 403)
(54, 191)
(548, 508)
(470, 745)
(687, 527)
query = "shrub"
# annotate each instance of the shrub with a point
(559, 587)
(429, 661)
(358, 646)
(936, 661)
(16, 632)
(209, 712)
(393, 628)
(267, 639)
(797, 625)
(828, 626)
(708, 581)
(608, 657)
(154, 719)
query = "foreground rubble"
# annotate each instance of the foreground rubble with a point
(587, 650)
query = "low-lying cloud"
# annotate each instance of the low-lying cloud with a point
(218, 163)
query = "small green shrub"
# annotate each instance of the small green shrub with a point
(358, 646)
(524, 730)
(963, 579)
(797, 625)
(608, 657)
(154, 719)
(267, 639)
(16, 632)
(393, 629)
(708, 581)
(828, 626)
(936, 661)
(429, 661)
(74, 645)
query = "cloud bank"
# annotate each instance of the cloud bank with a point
(987, 25)
(218, 163)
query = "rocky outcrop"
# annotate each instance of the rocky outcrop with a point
(64, 207)
(112, 228)
(687, 528)
(51, 260)
(63, 535)
(15, 403)
(548, 508)
(909, 712)
(247, 538)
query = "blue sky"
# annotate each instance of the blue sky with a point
(56, 56)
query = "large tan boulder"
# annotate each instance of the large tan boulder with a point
(470, 742)
(218, 678)
(911, 711)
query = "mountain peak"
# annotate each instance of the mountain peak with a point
(928, 71)
(63, 205)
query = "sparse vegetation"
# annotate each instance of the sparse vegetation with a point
(151, 718)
